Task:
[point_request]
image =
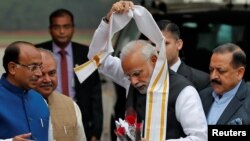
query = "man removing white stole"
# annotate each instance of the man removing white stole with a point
(166, 114)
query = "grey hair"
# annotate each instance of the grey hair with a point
(147, 51)
(49, 53)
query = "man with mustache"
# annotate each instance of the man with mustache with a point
(66, 116)
(183, 97)
(24, 115)
(174, 45)
(228, 100)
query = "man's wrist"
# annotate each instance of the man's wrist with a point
(105, 19)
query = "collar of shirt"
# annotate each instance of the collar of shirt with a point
(226, 96)
(176, 65)
(56, 49)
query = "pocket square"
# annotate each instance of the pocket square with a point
(237, 121)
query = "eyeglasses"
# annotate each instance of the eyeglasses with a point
(32, 67)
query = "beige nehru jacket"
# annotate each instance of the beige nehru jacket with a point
(66, 125)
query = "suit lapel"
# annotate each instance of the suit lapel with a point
(48, 46)
(78, 55)
(74, 53)
(184, 70)
(229, 111)
(234, 105)
(208, 102)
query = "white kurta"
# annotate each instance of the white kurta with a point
(188, 102)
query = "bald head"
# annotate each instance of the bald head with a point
(22, 62)
(17, 50)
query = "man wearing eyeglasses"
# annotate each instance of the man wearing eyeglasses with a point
(24, 115)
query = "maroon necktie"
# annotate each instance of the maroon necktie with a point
(64, 72)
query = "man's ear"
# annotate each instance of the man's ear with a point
(12, 68)
(153, 58)
(179, 44)
(241, 71)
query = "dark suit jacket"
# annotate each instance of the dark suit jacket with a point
(88, 94)
(199, 78)
(238, 108)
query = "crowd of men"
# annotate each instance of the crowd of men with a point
(41, 98)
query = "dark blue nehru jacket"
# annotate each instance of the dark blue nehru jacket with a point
(22, 111)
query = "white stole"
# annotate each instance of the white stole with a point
(157, 93)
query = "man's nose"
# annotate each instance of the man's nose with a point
(134, 80)
(213, 74)
(38, 72)
(62, 30)
(46, 78)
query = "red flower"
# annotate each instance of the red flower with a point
(130, 119)
(131, 116)
(120, 131)
(139, 126)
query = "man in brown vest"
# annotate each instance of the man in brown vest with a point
(66, 117)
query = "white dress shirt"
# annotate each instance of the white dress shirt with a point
(80, 131)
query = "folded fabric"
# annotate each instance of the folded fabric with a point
(237, 121)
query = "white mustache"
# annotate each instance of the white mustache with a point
(138, 85)
(46, 85)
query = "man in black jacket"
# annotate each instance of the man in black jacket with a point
(87, 94)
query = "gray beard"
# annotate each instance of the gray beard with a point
(143, 92)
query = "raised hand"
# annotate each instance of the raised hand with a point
(119, 7)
